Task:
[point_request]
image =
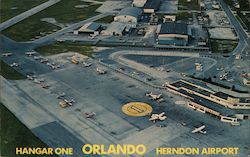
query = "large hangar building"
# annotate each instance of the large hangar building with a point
(172, 33)
(130, 15)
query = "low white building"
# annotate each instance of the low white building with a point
(115, 29)
(92, 27)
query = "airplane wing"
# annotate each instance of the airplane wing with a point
(161, 114)
(153, 118)
(163, 118)
(198, 129)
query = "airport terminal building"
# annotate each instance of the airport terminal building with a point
(221, 105)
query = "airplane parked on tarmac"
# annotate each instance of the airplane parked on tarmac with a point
(160, 116)
(200, 130)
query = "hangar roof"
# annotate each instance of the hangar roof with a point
(174, 28)
(92, 26)
(131, 11)
(152, 4)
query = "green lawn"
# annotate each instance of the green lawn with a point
(64, 12)
(107, 19)
(192, 5)
(15, 134)
(222, 46)
(243, 21)
(11, 8)
(9, 73)
(58, 47)
(183, 16)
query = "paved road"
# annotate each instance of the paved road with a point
(243, 37)
(27, 14)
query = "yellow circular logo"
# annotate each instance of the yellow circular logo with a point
(137, 109)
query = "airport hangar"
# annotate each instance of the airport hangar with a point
(173, 33)
(149, 6)
(130, 15)
(123, 22)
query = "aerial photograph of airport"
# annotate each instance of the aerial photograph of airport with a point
(136, 78)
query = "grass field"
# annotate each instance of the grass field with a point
(57, 48)
(11, 8)
(185, 5)
(183, 16)
(64, 12)
(107, 19)
(222, 46)
(9, 73)
(15, 134)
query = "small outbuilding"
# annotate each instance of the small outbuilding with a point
(92, 27)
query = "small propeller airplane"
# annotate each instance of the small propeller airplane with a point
(30, 53)
(60, 95)
(200, 130)
(154, 96)
(14, 64)
(90, 115)
(160, 116)
(100, 71)
(7, 54)
(37, 57)
(44, 60)
(66, 103)
(38, 81)
(31, 77)
(69, 102)
(45, 86)
(85, 64)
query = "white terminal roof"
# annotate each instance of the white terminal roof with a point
(116, 27)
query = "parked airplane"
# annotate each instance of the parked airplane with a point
(7, 54)
(90, 115)
(31, 77)
(60, 95)
(38, 80)
(37, 57)
(100, 71)
(200, 130)
(87, 64)
(44, 60)
(55, 66)
(45, 86)
(154, 96)
(69, 102)
(30, 53)
(160, 116)
(14, 64)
